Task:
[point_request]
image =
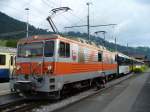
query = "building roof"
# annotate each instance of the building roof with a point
(7, 50)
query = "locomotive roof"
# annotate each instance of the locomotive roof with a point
(55, 36)
(37, 37)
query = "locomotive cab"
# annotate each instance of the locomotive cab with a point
(35, 64)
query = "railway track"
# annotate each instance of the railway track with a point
(23, 105)
(9, 100)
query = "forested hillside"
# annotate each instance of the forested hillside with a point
(138, 51)
(11, 30)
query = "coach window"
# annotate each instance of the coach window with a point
(64, 49)
(49, 49)
(2, 59)
(99, 57)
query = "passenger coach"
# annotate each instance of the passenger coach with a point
(7, 62)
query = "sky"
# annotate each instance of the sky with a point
(131, 16)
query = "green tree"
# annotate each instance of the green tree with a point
(11, 43)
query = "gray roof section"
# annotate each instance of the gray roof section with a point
(7, 50)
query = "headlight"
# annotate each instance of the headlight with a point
(39, 63)
(18, 67)
(49, 67)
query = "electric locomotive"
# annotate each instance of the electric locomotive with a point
(46, 64)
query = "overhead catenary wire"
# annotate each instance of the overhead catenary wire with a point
(36, 11)
(18, 11)
(47, 3)
(54, 4)
(77, 17)
(71, 12)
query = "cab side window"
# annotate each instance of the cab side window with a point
(49, 49)
(64, 50)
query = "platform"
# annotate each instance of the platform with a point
(4, 88)
(132, 95)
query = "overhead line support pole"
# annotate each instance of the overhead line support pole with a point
(27, 23)
(88, 21)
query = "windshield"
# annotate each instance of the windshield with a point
(29, 50)
(36, 49)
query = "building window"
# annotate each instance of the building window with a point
(2, 59)
(64, 49)
(99, 57)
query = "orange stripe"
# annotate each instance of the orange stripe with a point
(69, 68)
(62, 68)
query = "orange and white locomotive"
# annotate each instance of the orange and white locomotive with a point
(48, 63)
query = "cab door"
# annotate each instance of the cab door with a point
(64, 58)
(49, 55)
